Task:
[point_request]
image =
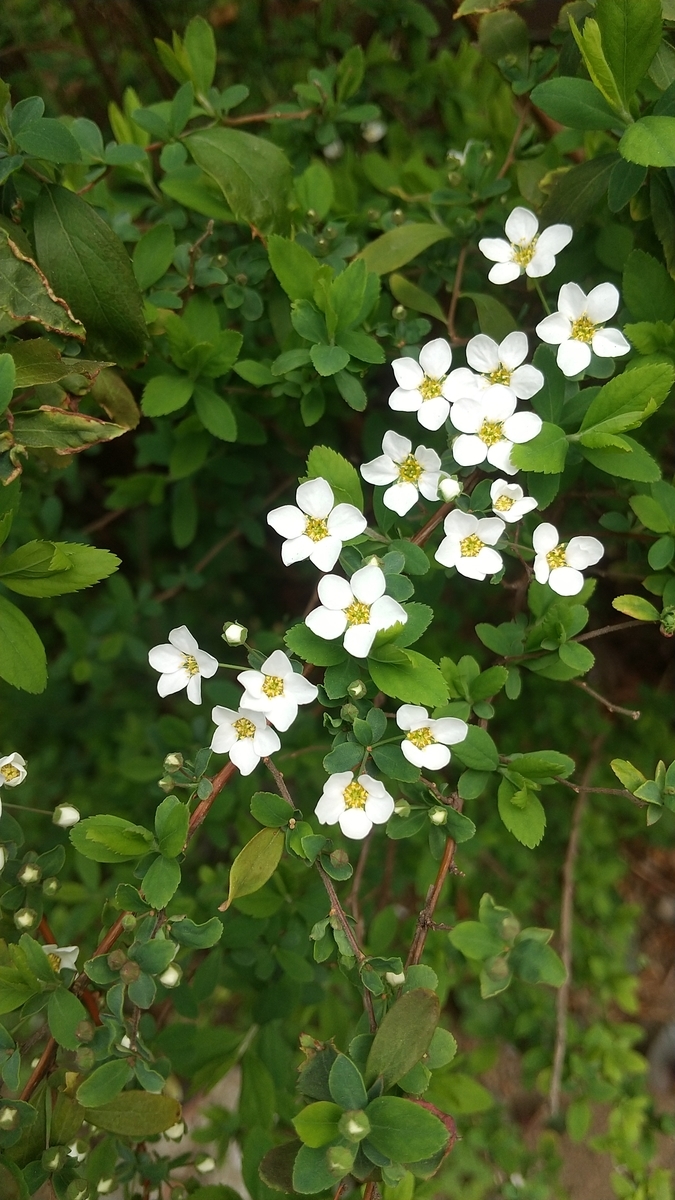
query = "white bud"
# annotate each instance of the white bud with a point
(175, 1132)
(438, 816)
(449, 488)
(395, 980)
(206, 1164)
(372, 561)
(29, 873)
(373, 131)
(125, 1042)
(235, 634)
(171, 977)
(8, 1117)
(65, 815)
(78, 1150)
(3, 857)
(334, 150)
(104, 1186)
(25, 918)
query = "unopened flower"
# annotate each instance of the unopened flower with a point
(357, 609)
(234, 633)
(509, 501)
(334, 149)
(175, 1132)
(171, 977)
(354, 804)
(578, 327)
(559, 564)
(12, 770)
(426, 741)
(78, 1151)
(422, 387)
(373, 131)
(395, 978)
(25, 918)
(205, 1164)
(500, 364)
(276, 690)
(244, 735)
(526, 249)
(182, 665)
(468, 543)
(409, 474)
(318, 527)
(65, 815)
(489, 428)
(449, 487)
(104, 1186)
(62, 958)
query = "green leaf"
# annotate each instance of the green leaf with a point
(579, 657)
(351, 390)
(270, 810)
(26, 295)
(522, 813)
(475, 940)
(255, 864)
(459, 1093)
(546, 453)
(166, 394)
(76, 567)
(574, 102)
(345, 756)
(488, 683)
(403, 1131)
(317, 1124)
(328, 360)
(324, 463)
(87, 264)
(650, 142)
(196, 191)
(648, 289)
(294, 266)
(627, 774)
(104, 1084)
(503, 35)
(7, 380)
(592, 52)
(64, 1013)
(638, 464)
(275, 1169)
(346, 1084)
(414, 297)
(631, 35)
(494, 317)
(23, 662)
(160, 881)
(543, 764)
(459, 827)
(403, 1037)
(56, 429)
(254, 174)
(625, 180)
(200, 46)
(49, 140)
(577, 194)
(215, 414)
(347, 291)
(650, 514)
(311, 648)
(311, 1173)
(134, 1114)
(636, 606)
(392, 762)
(154, 956)
(188, 933)
(106, 838)
(397, 247)
(477, 751)
(171, 826)
(536, 962)
(407, 675)
(153, 255)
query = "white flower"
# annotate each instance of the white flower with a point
(409, 473)
(422, 386)
(276, 690)
(509, 501)
(426, 741)
(578, 327)
(182, 665)
(489, 427)
(502, 365)
(234, 633)
(317, 528)
(62, 958)
(559, 564)
(526, 249)
(354, 804)
(358, 608)
(244, 735)
(78, 1151)
(12, 770)
(65, 815)
(468, 543)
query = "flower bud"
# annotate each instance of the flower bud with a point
(334, 150)
(78, 1150)
(402, 808)
(373, 560)
(84, 1031)
(173, 762)
(130, 972)
(172, 976)
(116, 960)
(9, 1118)
(349, 712)
(234, 633)
(373, 131)
(354, 1125)
(395, 980)
(510, 928)
(166, 784)
(78, 1190)
(449, 488)
(205, 1163)
(104, 1186)
(398, 216)
(65, 815)
(339, 858)
(340, 1160)
(175, 1133)
(85, 1059)
(29, 873)
(129, 922)
(497, 968)
(356, 689)
(50, 885)
(399, 313)
(3, 857)
(25, 919)
(438, 816)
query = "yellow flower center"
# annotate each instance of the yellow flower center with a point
(471, 546)
(358, 613)
(316, 528)
(524, 253)
(500, 375)
(244, 728)
(503, 503)
(490, 432)
(583, 329)
(421, 737)
(355, 795)
(429, 388)
(191, 665)
(54, 962)
(556, 557)
(9, 773)
(410, 470)
(273, 686)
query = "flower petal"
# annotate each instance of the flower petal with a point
(573, 357)
(252, 682)
(288, 520)
(407, 372)
(346, 522)
(449, 730)
(602, 302)
(208, 665)
(411, 716)
(183, 640)
(194, 689)
(499, 402)
(428, 459)
(300, 689)
(368, 584)
(355, 824)
(554, 239)
(296, 549)
(489, 561)
(497, 250)
(608, 343)
(500, 487)
(380, 471)
(433, 413)
(545, 538)
(522, 427)
(315, 497)
(330, 806)
(540, 264)
(490, 529)
(435, 358)
(504, 272)
(460, 524)
(554, 329)
(513, 349)
(359, 639)
(400, 498)
(266, 742)
(173, 682)
(435, 758)
(566, 581)
(541, 569)
(277, 663)
(405, 400)
(379, 808)
(521, 225)
(448, 553)
(526, 381)
(166, 658)
(482, 353)
(395, 446)
(521, 508)
(413, 753)
(572, 301)
(499, 456)
(583, 552)
(471, 568)
(324, 554)
(468, 415)
(428, 484)
(459, 383)
(223, 739)
(386, 612)
(282, 712)
(326, 623)
(243, 755)
(468, 450)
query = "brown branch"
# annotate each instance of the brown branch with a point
(338, 911)
(456, 288)
(41, 1069)
(280, 781)
(586, 637)
(566, 929)
(511, 152)
(425, 919)
(633, 713)
(250, 118)
(426, 531)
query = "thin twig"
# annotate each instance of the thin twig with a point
(425, 919)
(338, 911)
(586, 637)
(280, 781)
(633, 713)
(425, 532)
(353, 898)
(511, 152)
(270, 116)
(456, 288)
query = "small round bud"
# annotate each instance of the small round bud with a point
(54, 1158)
(9, 1118)
(331, 231)
(497, 968)
(322, 243)
(438, 816)
(173, 762)
(172, 976)
(395, 980)
(312, 215)
(65, 815)
(124, 1042)
(399, 313)
(175, 1133)
(349, 712)
(510, 928)
(29, 873)
(85, 1059)
(402, 808)
(3, 857)
(205, 1163)
(373, 131)
(357, 689)
(354, 1125)
(449, 488)
(398, 216)
(116, 960)
(78, 1190)
(130, 972)
(241, 279)
(339, 858)
(334, 150)
(373, 561)
(166, 784)
(51, 885)
(129, 922)
(234, 633)
(340, 1160)
(25, 919)
(84, 1031)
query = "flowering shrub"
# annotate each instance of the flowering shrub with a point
(218, 336)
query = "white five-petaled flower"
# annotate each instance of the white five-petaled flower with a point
(422, 387)
(62, 958)
(12, 770)
(526, 249)
(500, 364)
(468, 543)
(559, 564)
(182, 665)
(357, 609)
(244, 735)
(409, 474)
(578, 327)
(276, 690)
(317, 527)
(509, 501)
(489, 427)
(354, 804)
(426, 741)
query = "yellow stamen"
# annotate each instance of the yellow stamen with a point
(503, 503)
(273, 686)
(429, 388)
(524, 253)
(244, 728)
(316, 528)
(557, 557)
(191, 665)
(500, 375)
(355, 795)
(490, 432)
(583, 329)
(410, 470)
(421, 737)
(358, 613)
(471, 546)
(54, 962)
(9, 772)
